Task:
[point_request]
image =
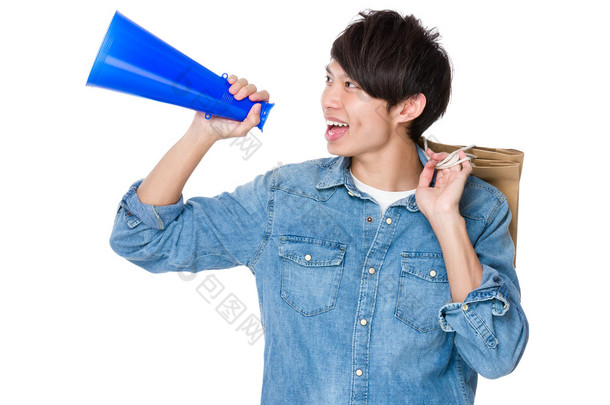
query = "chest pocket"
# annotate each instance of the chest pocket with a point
(423, 290)
(311, 273)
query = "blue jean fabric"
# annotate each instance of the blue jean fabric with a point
(355, 307)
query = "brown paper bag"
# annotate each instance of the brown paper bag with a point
(499, 167)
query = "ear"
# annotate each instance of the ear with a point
(411, 108)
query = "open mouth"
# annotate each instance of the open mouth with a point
(335, 130)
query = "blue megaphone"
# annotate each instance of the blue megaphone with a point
(134, 61)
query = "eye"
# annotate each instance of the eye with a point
(351, 85)
(328, 79)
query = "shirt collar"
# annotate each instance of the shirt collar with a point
(338, 174)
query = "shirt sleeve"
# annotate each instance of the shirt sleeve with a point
(491, 330)
(227, 230)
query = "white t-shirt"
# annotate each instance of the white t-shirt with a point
(383, 198)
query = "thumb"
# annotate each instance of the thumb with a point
(252, 119)
(425, 178)
(254, 116)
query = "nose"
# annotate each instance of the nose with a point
(331, 97)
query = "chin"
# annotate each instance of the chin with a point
(334, 150)
(337, 150)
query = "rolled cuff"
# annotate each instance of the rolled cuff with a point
(154, 216)
(478, 309)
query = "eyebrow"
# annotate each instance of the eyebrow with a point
(331, 73)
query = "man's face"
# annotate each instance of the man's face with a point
(368, 126)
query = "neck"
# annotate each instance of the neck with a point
(395, 168)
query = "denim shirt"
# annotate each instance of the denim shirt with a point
(355, 306)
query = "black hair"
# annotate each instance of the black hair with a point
(394, 58)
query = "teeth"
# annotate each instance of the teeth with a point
(339, 124)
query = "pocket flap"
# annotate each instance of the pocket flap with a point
(427, 266)
(311, 251)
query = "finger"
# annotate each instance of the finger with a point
(262, 95)
(245, 91)
(252, 120)
(466, 165)
(435, 162)
(455, 168)
(440, 156)
(239, 83)
(425, 178)
(232, 79)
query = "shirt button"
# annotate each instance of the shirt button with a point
(465, 307)
(372, 270)
(388, 221)
(363, 322)
(369, 219)
(432, 273)
(308, 257)
(358, 372)
(350, 193)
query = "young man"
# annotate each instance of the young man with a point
(380, 279)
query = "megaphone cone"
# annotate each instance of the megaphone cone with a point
(134, 61)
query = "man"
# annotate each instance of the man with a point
(380, 279)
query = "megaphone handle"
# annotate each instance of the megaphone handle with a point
(208, 115)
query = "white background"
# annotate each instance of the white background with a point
(80, 325)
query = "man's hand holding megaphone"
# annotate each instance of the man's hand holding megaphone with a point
(220, 128)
